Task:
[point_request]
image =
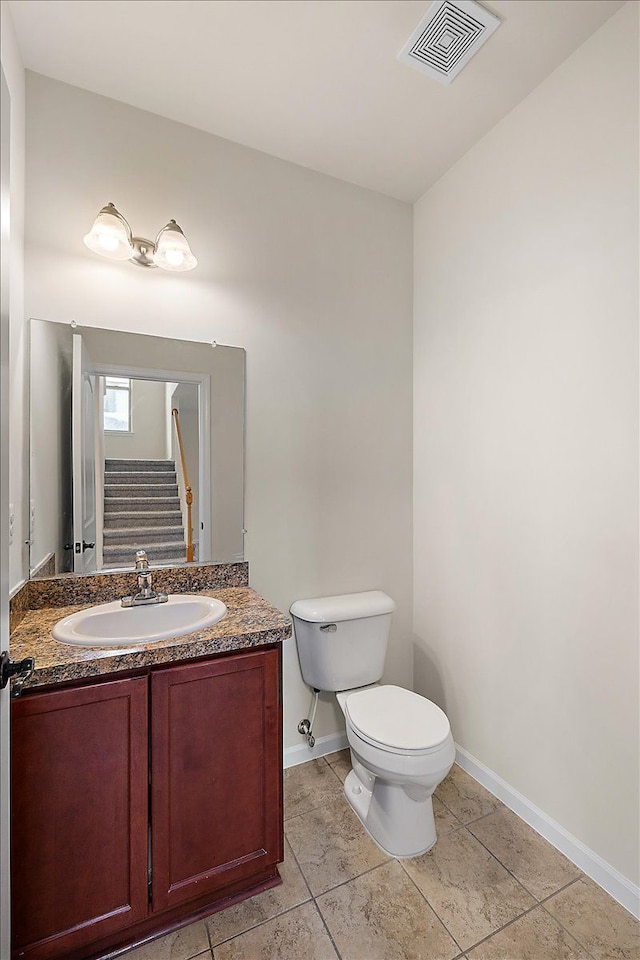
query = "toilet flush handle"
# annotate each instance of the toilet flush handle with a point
(328, 628)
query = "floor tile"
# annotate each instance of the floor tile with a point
(445, 820)
(607, 930)
(531, 859)
(234, 920)
(469, 890)
(465, 797)
(297, 935)
(340, 763)
(331, 845)
(183, 944)
(381, 916)
(307, 786)
(536, 936)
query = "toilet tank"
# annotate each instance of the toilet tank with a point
(342, 641)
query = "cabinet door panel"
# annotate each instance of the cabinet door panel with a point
(79, 814)
(216, 774)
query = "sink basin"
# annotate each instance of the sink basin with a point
(112, 625)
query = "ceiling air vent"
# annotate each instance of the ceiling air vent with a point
(447, 37)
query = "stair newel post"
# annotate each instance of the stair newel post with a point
(189, 500)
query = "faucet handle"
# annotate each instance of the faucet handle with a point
(142, 562)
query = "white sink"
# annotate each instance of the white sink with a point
(112, 625)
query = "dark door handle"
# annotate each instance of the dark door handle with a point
(87, 546)
(20, 669)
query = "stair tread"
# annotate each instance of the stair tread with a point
(175, 528)
(118, 486)
(113, 496)
(121, 543)
(140, 464)
(155, 545)
(115, 513)
(120, 479)
(114, 502)
(148, 524)
(116, 522)
(142, 513)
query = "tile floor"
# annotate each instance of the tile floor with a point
(491, 889)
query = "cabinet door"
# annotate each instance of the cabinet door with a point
(216, 807)
(79, 815)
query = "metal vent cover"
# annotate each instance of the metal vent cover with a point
(447, 37)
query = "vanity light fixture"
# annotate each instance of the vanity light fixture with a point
(111, 237)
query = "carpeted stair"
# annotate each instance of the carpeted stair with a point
(141, 512)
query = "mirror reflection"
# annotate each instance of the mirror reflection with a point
(137, 443)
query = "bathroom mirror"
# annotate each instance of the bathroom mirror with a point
(134, 441)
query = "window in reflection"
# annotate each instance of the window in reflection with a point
(117, 404)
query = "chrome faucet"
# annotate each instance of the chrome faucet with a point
(146, 592)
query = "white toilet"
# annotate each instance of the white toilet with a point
(401, 743)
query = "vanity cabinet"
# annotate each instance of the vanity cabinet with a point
(216, 766)
(143, 801)
(79, 815)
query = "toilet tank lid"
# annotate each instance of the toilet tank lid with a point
(347, 606)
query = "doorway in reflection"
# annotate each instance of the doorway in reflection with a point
(149, 465)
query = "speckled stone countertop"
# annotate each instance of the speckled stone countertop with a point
(250, 621)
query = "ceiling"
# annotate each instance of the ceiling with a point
(315, 82)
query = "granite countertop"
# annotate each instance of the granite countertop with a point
(250, 621)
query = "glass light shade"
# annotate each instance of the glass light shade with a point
(110, 235)
(172, 249)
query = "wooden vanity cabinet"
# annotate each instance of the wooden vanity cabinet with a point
(216, 774)
(79, 815)
(189, 755)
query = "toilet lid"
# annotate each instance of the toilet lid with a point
(397, 718)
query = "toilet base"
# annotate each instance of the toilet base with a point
(400, 826)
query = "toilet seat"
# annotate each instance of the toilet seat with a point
(397, 720)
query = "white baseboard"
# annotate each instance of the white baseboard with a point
(606, 876)
(323, 745)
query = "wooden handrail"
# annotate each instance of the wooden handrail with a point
(188, 494)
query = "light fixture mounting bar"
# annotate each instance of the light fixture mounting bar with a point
(143, 252)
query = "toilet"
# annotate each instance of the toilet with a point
(401, 743)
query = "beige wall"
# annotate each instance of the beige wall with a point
(227, 462)
(50, 480)
(526, 445)
(311, 275)
(18, 330)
